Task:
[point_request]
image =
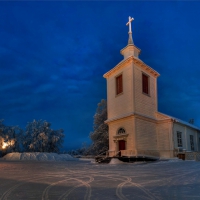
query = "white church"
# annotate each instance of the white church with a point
(136, 127)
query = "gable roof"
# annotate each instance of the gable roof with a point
(180, 121)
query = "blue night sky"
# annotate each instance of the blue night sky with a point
(53, 56)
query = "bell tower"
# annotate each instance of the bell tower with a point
(131, 95)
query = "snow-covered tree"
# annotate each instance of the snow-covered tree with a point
(39, 137)
(10, 138)
(99, 136)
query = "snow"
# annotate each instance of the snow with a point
(75, 179)
(37, 156)
(115, 161)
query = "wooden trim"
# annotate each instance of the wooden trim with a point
(121, 136)
(137, 115)
(135, 61)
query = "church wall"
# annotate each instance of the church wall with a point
(164, 139)
(128, 125)
(146, 135)
(121, 104)
(145, 104)
(163, 130)
(186, 132)
(180, 128)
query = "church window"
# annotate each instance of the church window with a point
(179, 139)
(192, 142)
(121, 131)
(119, 85)
(145, 84)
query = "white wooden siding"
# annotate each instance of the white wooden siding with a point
(186, 132)
(163, 131)
(129, 125)
(144, 104)
(122, 103)
(146, 136)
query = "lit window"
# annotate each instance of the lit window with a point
(192, 142)
(179, 139)
(121, 131)
(119, 86)
(145, 84)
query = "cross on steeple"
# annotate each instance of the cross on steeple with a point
(129, 23)
(130, 39)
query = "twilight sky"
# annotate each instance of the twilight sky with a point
(53, 56)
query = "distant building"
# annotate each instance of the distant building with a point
(135, 125)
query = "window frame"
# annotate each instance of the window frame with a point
(192, 142)
(179, 139)
(121, 129)
(118, 87)
(145, 90)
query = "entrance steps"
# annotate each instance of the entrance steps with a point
(102, 159)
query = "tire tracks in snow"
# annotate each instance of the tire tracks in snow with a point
(129, 181)
(45, 195)
(181, 179)
(119, 193)
(119, 189)
(83, 183)
(10, 190)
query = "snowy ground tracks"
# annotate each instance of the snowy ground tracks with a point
(82, 180)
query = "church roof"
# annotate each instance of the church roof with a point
(136, 61)
(186, 123)
(139, 50)
(181, 121)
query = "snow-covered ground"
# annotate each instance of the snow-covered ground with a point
(38, 156)
(75, 179)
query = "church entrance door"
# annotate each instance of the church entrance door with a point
(121, 146)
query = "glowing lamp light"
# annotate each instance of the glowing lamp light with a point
(4, 145)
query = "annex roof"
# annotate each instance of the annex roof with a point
(182, 122)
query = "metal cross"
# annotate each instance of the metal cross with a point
(129, 23)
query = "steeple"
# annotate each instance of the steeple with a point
(130, 39)
(130, 49)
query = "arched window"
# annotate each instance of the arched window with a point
(121, 131)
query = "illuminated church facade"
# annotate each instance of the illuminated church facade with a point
(136, 127)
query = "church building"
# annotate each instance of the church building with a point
(136, 127)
